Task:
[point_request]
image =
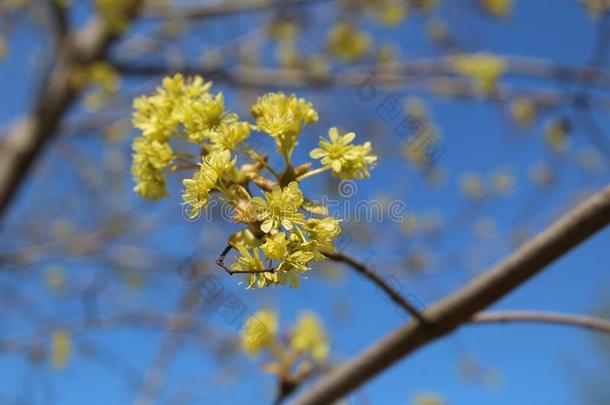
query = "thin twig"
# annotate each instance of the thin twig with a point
(378, 280)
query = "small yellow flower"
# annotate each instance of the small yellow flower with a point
(158, 154)
(347, 43)
(158, 116)
(556, 135)
(484, 69)
(324, 231)
(282, 117)
(472, 185)
(220, 161)
(229, 134)
(393, 13)
(428, 398)
(248, 261)
(150, 182)
(197, 189)
(202, 116)
(259, 331)
(280, 207)
(503, 182)
(276, 247)
(497, 8)
(347, 161)
(61, 345)
(523, 112)
(309, 337)
(115, 13)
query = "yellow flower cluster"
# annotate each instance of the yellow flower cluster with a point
(287, 238)
(347, 43)
(282, 117)
(279, 242)
(259, 332)
(497, 8)
(105, 80)
(393, 12)
(115, 13)
(484, 70)
(307, 339)
(347, 161)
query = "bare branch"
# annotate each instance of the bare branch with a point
(219, 9)
(378, 280)
(580, 321)
(566, 233)
(25, 140)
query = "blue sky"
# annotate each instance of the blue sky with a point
(538, 364)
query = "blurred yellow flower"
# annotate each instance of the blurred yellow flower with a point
(497, 8)
(483, 68)
(61, 346)
(259, 331)
(345, 42)
(309, 337)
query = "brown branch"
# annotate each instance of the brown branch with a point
(393, 73)
(580, 321)
(566, 233)
(378, 280)
(219, 9)
(25, 140)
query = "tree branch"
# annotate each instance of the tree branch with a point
(379, 281)
(25, 140)
(581, 321)
(220, 9)
(566, 233)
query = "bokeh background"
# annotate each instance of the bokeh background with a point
(91, 275)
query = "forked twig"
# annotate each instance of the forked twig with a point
(221, 262)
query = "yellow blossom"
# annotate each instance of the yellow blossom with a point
(523, 112)
(61, 345)
(472, 185)
(150, 182)
(276, 247)
(556, 135)
(229, 134)
(259, 331)
(282, 117)
(428, 398)
(484, 69)
(280, 207)
(158, 154)
(347, 43)
(394, 12)
(115, 13)
(347, 161)
(324, 231)
(309, 337)
(497, 8)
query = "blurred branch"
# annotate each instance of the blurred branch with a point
(194, 12)
(60, 19)
(445, 316)
(581, 321)
(25, 139)
(391, 73)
